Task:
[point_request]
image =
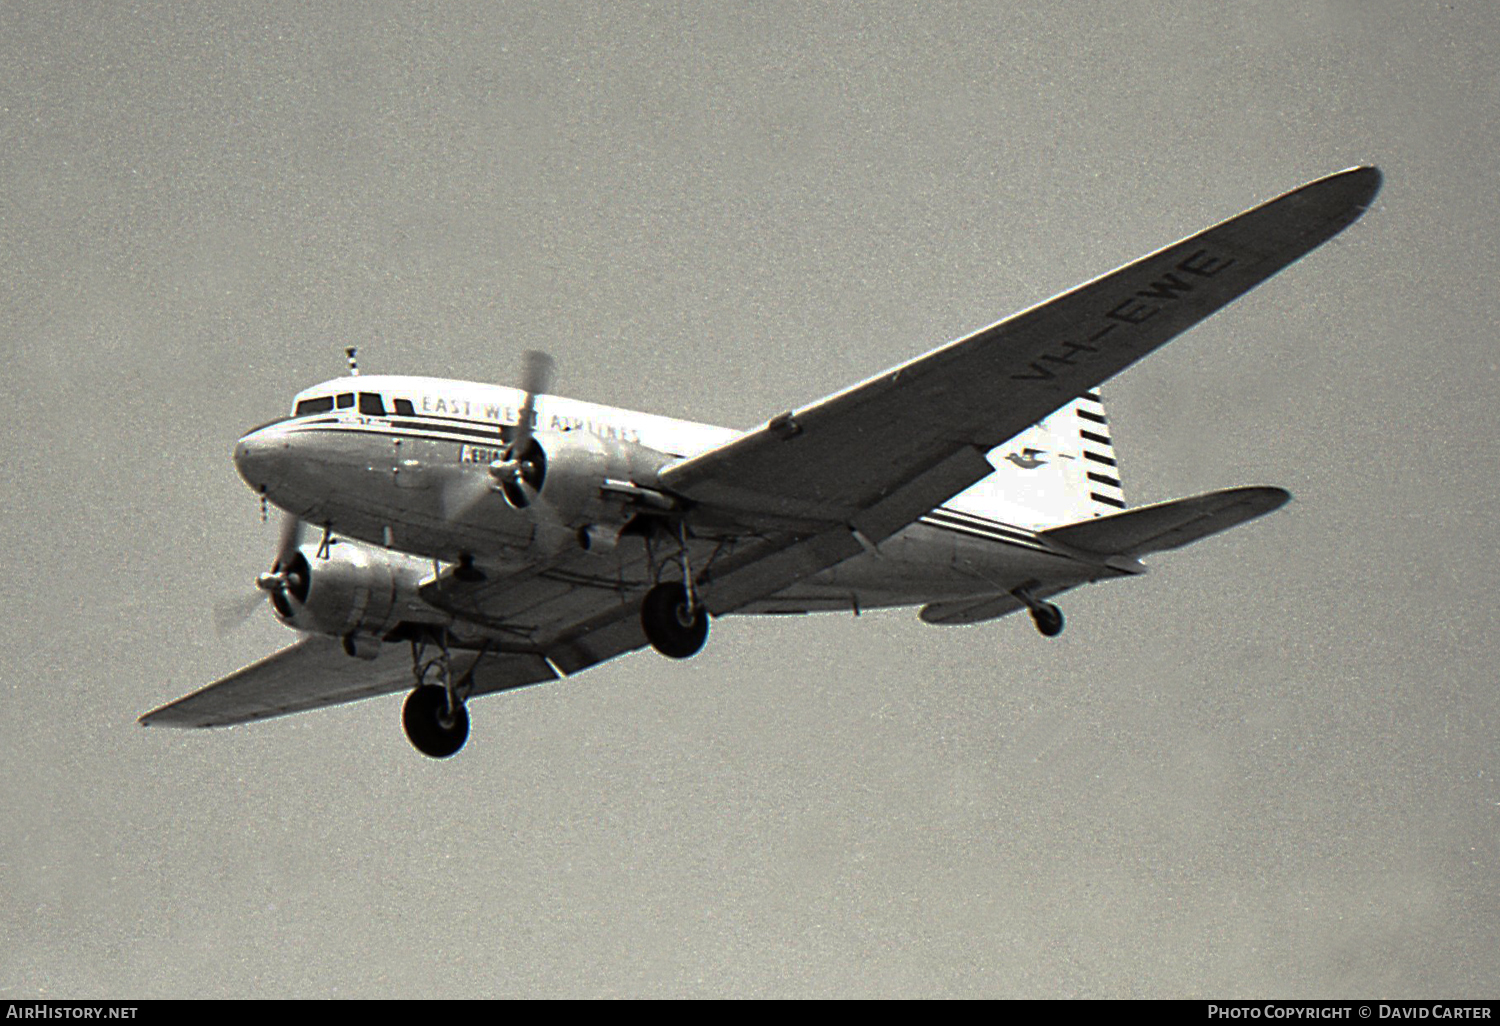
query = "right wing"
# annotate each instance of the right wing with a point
(578, 626)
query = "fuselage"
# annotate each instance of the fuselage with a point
(395, 461)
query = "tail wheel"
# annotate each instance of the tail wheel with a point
(1048, 619)
(675, 626)
(430, 727)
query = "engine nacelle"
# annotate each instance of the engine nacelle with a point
(355, 592)
(583, 483)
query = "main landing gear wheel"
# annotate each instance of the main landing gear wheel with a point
(1048, 619)
(429, 727)
(674, 626)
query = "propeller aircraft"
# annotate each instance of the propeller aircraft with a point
(454, 539)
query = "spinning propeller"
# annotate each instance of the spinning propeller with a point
(519, 472)
(288, 578)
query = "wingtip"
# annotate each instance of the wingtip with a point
(1262, 498)
(1370, 178)
(1360, 184)
(1276, 496)
(1333, 202)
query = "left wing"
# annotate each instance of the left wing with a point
(821, 483)
(912, 437)
(315, 672)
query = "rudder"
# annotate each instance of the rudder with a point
(1059, 471)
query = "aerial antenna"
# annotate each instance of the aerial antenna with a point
(352, 354)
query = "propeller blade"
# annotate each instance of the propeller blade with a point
(536, 378)
(291, 538)
(462, 492)
(231, 613)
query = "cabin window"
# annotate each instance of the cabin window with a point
(346, 400)
(322, 404)
(405, 408)
(370, 405)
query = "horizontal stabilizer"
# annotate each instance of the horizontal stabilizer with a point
(1169, 525)
(966, 611)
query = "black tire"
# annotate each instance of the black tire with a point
(673, 627)
(423, 715)
(1048, 620)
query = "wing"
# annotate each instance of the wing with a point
(571, 614)
(922, 428)
(315, 672)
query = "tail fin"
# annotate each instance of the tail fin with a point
(1059, 471)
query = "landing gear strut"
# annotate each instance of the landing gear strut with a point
(436, 721)
(1047, 617)
(675, 622)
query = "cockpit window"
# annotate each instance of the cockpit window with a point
(370, 405)
(322, 404)
(346, 400)
(405, 408)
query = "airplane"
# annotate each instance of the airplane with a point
(458, 539)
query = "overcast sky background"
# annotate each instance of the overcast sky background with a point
(1270, 768)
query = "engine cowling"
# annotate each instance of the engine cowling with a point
(566, 477)
(353, 592)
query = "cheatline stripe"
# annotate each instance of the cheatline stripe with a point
(431, 435)
(417, 425)
(433, 418)
(490, 439)
(975, 520)
(425, 422)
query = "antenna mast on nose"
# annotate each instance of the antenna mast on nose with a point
(352, 354)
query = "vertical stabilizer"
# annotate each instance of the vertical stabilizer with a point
(1059, 471)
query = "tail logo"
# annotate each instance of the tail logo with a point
(1026, 459)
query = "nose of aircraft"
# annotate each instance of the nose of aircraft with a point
(260, 457)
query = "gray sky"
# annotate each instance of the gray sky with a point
(1270, 768)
